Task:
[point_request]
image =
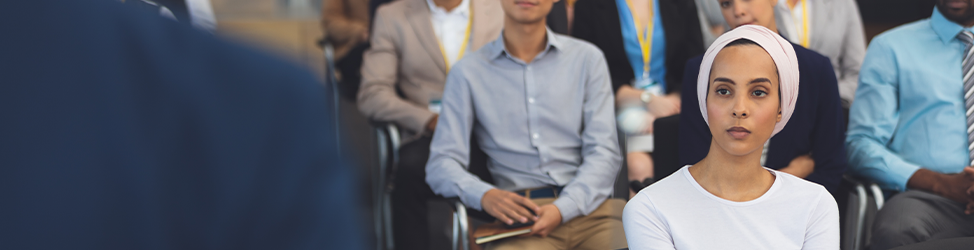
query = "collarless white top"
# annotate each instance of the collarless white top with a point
(677, 213)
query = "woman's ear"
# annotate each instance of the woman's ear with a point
(779, 117)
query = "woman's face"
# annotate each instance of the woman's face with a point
(742, 103)
(742, 12)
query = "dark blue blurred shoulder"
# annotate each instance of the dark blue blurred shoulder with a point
(810, 58)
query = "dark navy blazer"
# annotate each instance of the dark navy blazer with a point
(816, 127)
(122, 129)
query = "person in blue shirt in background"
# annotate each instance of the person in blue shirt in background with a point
(909, 127)
(124, 130)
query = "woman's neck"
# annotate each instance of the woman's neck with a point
(732, 177)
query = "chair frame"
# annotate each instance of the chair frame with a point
(864, 190)
(388, 142)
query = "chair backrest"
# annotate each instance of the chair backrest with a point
(621, 185)
(666, 152)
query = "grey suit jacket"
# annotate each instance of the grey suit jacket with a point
(405, 57)
(837, 33)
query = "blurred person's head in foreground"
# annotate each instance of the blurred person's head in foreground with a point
(126, 130)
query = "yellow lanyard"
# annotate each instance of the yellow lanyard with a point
(463, 46)
(645, 39)
(803, 36)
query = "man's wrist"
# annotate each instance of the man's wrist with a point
(924, 179)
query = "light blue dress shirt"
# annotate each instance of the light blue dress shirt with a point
(545, 123)
(657, 60)
(909, 108)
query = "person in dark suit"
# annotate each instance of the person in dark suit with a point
(647, 78)
(812, 146)
(124, 130)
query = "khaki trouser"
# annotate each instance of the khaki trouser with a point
(600, 230)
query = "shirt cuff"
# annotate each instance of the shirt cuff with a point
(568, 208)
(902, 175)
(473, 192)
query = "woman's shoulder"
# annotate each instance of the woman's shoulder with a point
(672, 187)
(795, 187)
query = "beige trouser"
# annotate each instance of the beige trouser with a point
(600, 230)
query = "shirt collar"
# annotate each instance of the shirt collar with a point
(462, 9)
(945, 29)
(497, 47)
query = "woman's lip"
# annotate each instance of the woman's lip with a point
(525, 4)
(739, 132)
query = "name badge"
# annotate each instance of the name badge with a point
(648, 84)
(435, 106)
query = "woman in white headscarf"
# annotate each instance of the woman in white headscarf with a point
(747, 88)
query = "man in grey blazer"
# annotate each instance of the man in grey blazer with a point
(835, 31)
(403, 74)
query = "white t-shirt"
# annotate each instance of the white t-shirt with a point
(677, 213)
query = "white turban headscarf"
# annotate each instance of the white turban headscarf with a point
(781, 52)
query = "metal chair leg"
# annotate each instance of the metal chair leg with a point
(461, 232)
(877, 195)
(379, 193)
(860, 220)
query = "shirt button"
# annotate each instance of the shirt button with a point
(535, 136)
(530, 100)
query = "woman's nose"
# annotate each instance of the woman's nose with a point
(740, 108)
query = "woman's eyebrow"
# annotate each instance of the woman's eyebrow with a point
(758, 80)
(724, 79)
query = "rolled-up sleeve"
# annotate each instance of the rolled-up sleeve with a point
(873, 119)
(601, 159)
(446, 170)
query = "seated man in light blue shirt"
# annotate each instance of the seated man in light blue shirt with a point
(909, 127)
(541, 107)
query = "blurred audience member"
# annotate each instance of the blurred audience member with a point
(345, 25)
(832, 28)
(414, 45)
(812, 147)
(557, 19)
(910, 127)
(748, 87)
(198, 13)
(712, 22)
(540, 106)
(646, 44)
(123, 130)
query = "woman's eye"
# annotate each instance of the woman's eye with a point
(723, 92)
(759, 93)
(724, 4)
